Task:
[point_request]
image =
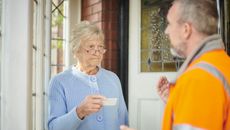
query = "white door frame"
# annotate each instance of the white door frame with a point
(145, 106)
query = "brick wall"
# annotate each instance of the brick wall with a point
(105, 14)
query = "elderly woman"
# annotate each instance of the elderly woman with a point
(79, 96)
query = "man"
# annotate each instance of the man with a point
(199, 96)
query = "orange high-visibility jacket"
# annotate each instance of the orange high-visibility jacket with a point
(200, 98)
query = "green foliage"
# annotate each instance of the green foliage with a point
(57, 17)
(57, 44)
(57, 21)
(60, 44)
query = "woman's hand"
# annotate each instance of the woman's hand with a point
(123, 127)
(163, 88)
(90, 104)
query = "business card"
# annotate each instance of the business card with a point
(110, 102)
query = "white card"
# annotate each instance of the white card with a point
(110, 102)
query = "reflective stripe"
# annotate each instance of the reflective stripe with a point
(185, 127)
(215, 72)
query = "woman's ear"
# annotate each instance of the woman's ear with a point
(76, 54)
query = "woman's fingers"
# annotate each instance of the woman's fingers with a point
(123, 127)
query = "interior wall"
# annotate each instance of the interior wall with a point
(16, 65)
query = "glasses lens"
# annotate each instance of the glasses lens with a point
(93, 51)
(102, 50)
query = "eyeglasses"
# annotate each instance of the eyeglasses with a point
(99, 49)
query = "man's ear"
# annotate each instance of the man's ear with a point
(187, 30)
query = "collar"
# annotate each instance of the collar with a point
(210, 43)
(85, 77)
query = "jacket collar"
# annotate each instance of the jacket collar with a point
(210, 43)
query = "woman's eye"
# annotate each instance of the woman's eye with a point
(101, 47)
(91, 46)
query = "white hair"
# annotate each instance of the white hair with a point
(201, 13)
(83, 32)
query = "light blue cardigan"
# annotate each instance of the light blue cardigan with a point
(69, 88)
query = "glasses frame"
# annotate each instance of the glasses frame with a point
(94, 50)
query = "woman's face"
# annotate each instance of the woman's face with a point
(90, 53)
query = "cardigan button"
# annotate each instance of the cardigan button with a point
(99, 118)
(93, 79)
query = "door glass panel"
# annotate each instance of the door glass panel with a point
(155, 46)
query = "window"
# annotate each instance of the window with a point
(59, 41)
(155, 47)
(48, 54)
(36, 66)
(39, 72)
(55, 47)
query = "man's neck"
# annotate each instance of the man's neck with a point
(194, 41)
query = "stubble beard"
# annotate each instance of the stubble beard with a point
(178, 51)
